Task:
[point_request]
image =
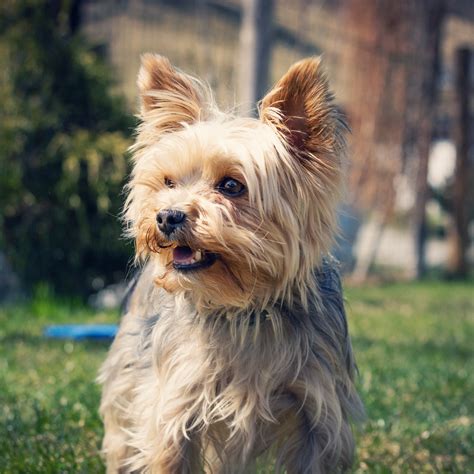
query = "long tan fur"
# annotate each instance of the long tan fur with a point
(249, 357)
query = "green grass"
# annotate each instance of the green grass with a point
(414, 345)
(48, 398)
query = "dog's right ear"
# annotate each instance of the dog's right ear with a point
(169, 96)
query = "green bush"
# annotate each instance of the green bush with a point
(63, 139)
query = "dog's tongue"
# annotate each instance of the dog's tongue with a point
(182, 254)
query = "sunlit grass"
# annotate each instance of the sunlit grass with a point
(48, 398)
(414, 349)
(415, 353)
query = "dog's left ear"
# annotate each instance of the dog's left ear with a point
(173, 97)
(301, 107)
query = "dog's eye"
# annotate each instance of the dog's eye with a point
(230, 187)
(169, 183)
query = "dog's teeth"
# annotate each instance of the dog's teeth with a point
(197, 255)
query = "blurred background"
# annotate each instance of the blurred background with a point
(403, 73)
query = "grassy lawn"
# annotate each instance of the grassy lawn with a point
(414, 344)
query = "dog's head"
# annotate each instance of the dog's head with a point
(235, 212)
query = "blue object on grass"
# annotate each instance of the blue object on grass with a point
(81, 331)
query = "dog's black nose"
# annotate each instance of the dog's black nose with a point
(170, 220)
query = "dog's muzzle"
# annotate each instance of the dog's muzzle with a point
(170, 220)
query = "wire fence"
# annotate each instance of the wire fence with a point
(391, 65)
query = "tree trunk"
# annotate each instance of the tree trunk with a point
(255, 50)
(433, 27)
(458, 265)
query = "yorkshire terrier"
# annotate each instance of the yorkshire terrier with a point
(234, 344)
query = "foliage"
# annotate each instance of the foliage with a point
(413, 345)
(63, 135)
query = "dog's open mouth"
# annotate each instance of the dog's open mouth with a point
(185, 258)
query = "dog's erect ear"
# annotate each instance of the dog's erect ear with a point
(174, 95)
(301, 107)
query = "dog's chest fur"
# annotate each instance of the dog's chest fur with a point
(229, 388)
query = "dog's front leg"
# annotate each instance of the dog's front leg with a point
(216, 464)
(320, 439)
(178, 457)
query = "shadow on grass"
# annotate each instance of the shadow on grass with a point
(427, 348)
(38, 341)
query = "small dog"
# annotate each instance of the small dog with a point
(234, 343)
